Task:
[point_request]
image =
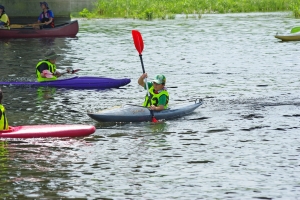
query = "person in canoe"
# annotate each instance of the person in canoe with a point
(3, 119)
(46, 69)
(158, 92)
(46, 16)
(4, 20)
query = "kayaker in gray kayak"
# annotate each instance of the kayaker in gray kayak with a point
(159, 96)
(48, 65)
(3, 119)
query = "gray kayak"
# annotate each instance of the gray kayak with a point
(133, 113)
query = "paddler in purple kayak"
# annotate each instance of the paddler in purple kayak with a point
(48, 65)
(3, 119)
(158, 92)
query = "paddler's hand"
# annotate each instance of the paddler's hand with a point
(57, 74)
(156, 108)
(152, 107)
(145, 75)
(141, 79)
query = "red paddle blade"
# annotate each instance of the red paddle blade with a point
(154, 119)
(138, 41)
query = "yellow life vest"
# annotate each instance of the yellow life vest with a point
(155, 97)
(3, 119)
(51, 68)
(4, 18)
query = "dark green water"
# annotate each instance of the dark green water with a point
(242, 143)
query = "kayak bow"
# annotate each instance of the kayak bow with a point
(36, 131)
(289, 37)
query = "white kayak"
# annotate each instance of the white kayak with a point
(289, 37)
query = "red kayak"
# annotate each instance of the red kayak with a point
(63, 30)
(36, 131)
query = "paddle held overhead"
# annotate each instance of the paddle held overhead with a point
(139, 45)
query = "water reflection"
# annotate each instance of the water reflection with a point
(158, 127)
(148, 127)
(4, 157)
(44, 93)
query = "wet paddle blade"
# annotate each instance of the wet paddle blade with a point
(154, 119)
(36, 24)
(76, 70)
(71, 70)
(295, 29)
(17, 26)
(138, 41)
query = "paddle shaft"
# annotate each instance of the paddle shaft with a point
(72, 72)
(146, 82)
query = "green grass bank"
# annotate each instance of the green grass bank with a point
(167, 9)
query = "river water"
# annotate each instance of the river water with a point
(242, 143)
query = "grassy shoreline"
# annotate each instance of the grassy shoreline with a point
(167, 9)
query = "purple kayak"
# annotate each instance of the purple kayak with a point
(85, 82)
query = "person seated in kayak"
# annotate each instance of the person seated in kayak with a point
(3, 119)
(46, 16)
(4, 20)
(158, 92)
(49, 65)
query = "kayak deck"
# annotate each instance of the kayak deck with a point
(133, 113)
(58, 130)
(85, 82)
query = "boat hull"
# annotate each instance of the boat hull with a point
(132, 113)
(290, 37)
(37, 131)
(87, 82)
(65, 30)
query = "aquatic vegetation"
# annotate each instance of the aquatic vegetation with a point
(167, 9)
(296, 10)
(3, 153)
(297, 13)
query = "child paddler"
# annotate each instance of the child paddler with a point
(49, 65)
(158, 92)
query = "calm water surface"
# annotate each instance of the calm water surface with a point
(242, 143)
